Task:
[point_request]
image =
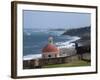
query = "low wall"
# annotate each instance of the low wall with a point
(30, 64)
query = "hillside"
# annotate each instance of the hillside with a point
(83, 33)
(78, 31)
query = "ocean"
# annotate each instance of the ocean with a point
(35, 39)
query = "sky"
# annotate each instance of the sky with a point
(54, 20)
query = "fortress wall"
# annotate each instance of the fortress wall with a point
(30, 64)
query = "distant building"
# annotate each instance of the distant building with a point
(50, 50)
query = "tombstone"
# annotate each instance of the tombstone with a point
(36, 63)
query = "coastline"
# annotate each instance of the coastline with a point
(67, 44)
(83, 33)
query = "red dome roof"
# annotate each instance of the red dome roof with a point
(50, 48)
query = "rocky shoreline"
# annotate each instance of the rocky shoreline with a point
(83, 33)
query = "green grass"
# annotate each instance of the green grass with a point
(71, 64)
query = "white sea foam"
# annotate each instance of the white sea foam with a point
(67, 44)
(57, 33)
(32, 56)
(45, 31)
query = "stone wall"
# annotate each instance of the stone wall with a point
(67, 52)
(30, 64)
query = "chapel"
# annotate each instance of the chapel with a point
(50, 50)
